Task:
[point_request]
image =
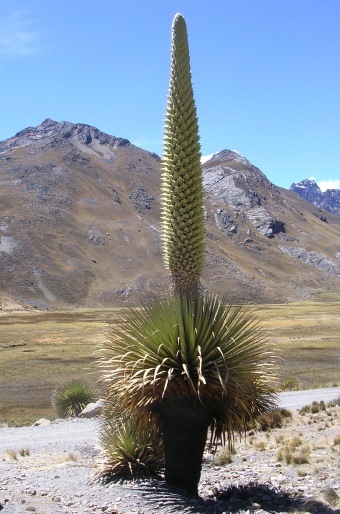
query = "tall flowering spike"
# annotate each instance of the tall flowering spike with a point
(182, 184)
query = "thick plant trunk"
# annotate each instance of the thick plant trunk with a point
(183, 284)
(185, 426)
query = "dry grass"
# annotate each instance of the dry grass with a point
(223, 457)
(307, 336)
(307, 444)
(41, 350)
(24, 452)
(12, 454)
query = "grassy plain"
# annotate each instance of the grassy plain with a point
(41, 350)
(306, 336)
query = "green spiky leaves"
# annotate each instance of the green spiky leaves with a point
(181, 347)
(182, 187)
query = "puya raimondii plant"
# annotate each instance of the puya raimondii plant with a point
(71, 398)
(187, 361)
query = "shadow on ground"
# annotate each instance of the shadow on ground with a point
(250, 498)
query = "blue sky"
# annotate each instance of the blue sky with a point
(266, 75)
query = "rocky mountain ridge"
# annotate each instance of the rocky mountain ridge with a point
(309, 190)
(50, 130)
(80, 225)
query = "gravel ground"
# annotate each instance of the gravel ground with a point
(55, 475)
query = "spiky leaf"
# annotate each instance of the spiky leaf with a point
(195, 347)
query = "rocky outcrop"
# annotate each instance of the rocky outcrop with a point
(217, 182)
(141, 199)
(309, 190)
(265, 223)
(240, 190)
(314, 258)
(225, 223)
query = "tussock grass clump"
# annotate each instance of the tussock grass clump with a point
(13, 454)
(294, 442)
(279, 438)
(284, 454)
(316, 407)
(336, 440)
(223, 457)
(313, 409)
(302, 457)
(71, 398)
(24, 452)
(274, 419)
(72, 457)
(334, 403)
(294, 451)
(260, 445)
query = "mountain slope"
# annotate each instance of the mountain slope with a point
(80, 224)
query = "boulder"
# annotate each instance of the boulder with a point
(41, 422)
(92, 409)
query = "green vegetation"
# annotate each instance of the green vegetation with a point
(71, 398)
(290, 384)
(128, 447)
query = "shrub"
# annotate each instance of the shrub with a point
(290, 384)
(71, 398)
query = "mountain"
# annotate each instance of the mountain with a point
(80, 225)
(309, 190)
